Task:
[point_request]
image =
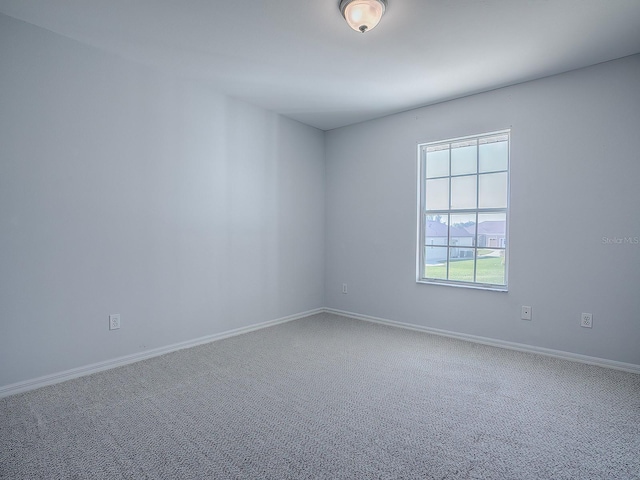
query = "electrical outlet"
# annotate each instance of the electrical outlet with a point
(586, 320)
(344, 288)
(526, 313)
(114, 321)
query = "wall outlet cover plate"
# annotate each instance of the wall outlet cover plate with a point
(114, 321)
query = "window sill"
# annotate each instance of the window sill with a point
(475, 286)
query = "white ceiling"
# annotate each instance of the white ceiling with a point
(299, 57)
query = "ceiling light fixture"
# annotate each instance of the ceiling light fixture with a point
(363, 15)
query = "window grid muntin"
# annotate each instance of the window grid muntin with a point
(477, 140)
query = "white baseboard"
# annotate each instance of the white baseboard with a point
(574, 357)
(59, 377)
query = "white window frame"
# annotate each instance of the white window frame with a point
(422, 215)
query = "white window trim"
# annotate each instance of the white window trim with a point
(421, 178)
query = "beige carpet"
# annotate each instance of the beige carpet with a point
(327, 397)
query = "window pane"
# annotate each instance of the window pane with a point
(463, 192)
(436, 230)
(461, 264)
(437, 194)
(435, 259)
(465, 195)
(493, 190)
(491, 268)
(463, 158)
(492, 231)
(437, 163)
(493, 156)
(463, 230)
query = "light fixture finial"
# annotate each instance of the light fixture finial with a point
(363, 15)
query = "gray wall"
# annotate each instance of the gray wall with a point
(124, 190)
(575, 178)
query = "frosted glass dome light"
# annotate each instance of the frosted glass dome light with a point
(363, 15)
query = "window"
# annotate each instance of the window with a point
(464, 211)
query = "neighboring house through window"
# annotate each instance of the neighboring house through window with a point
(464, 210)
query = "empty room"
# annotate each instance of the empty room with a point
(324, 239)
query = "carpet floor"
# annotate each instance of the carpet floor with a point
(327, 397)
